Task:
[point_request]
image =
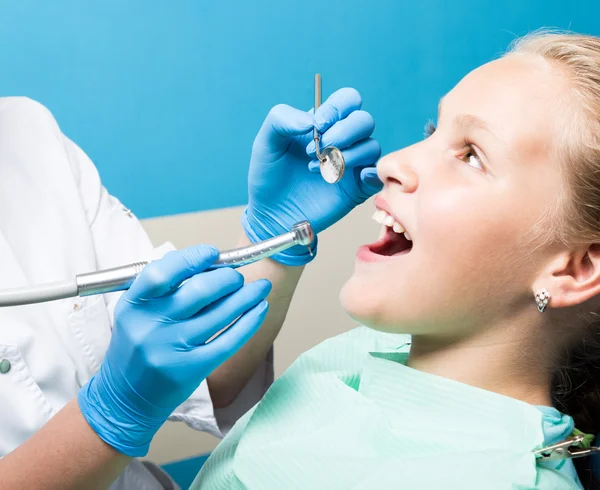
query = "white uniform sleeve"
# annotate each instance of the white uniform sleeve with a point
(119, 239)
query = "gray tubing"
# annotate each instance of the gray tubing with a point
(38, 294)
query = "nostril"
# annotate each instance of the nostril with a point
(408, 181)
(394, 180)
(397, 169)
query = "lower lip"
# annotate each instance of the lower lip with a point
(364, 254)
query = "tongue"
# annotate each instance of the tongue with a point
(391, 244)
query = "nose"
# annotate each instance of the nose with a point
(396, 169)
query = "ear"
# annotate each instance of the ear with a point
(572, 278)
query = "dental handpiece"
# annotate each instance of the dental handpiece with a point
(121, 278)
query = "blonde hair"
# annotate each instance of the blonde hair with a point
(578, 149)
(576, 380)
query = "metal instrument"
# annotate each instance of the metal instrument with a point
(331, 160)
(121, 278)
(567, 449)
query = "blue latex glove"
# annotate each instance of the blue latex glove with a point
(158, 353)
(284, 182)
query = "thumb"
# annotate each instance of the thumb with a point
(281, 125)
(162, 276)
(369, 181)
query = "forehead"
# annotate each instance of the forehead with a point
(518, 97)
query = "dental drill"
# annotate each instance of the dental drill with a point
(121, 278)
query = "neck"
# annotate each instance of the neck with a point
(506, 359)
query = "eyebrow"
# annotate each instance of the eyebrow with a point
(467, 120)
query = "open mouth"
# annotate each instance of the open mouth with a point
(391, 244)
(395, 241)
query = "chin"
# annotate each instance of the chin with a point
(362, 303)
(366, 304)
(350, 296)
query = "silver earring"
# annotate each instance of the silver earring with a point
(541, 298)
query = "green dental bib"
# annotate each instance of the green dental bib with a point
(349, 414)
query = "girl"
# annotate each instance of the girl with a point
(479, 343)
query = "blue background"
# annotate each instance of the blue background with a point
(166, 97)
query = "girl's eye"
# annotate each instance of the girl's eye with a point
(473, 159)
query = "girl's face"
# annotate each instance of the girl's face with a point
(470, 197)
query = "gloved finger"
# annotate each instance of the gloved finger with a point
(166, 274)
(223, 312)
(359, 155)
(200, 291)
(369, 181)
(281, 124)
(354, 128)
(338, 106)
(231, 340)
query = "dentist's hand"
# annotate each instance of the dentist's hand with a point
(158, 354)
(284, 182)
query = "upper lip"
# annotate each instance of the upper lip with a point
(381, 203)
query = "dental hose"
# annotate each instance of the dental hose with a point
(121, 278)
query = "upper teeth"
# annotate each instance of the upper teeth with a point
(383, 218)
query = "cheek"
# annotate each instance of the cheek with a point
(475, 243)
(459, 224)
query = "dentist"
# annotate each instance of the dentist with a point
(85, 383)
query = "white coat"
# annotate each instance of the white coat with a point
(57, 220)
